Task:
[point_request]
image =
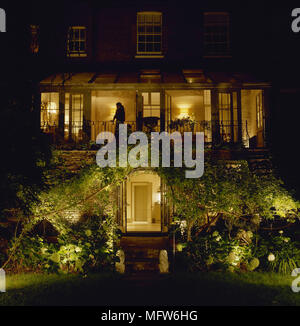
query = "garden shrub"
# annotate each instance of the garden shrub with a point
(277, 253)
(82, 210)
(213, 252)
(86, 246)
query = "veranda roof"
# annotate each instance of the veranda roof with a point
(150, 76)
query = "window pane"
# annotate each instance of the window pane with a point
(141, 29)
(206, 97)
(148, 18)
(49, 111)
(149, 29)
(82, 46)
(142, 38)
(145, 98)
(156, 18)
(157, 38)
(149, 32)
(156, 47)
(142, 47)
(82, 34)
(149, 47)
(155, 98)
(216, 27)
(76, 40)
(157, 29)
(156, 113)
(149, 39)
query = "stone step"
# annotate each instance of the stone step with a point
(135, 253)
(141, 266)
(142, 253)
(144, 242)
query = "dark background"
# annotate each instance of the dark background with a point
(264, 45)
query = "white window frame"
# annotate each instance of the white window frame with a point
(224, 23)
(73, 129)
(150, 107)
(79, 53)
(156, 54)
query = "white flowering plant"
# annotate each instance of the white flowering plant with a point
(214, 251)
(82, 247)
(277, 253)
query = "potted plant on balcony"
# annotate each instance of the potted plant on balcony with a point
(183, 122)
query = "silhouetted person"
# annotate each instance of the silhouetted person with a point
(119, 117)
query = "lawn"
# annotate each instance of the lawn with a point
(201, 289)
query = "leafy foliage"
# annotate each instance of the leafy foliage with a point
(230, 192)
(86, 246)
(284, 251)
(214, 252)
(82, 210)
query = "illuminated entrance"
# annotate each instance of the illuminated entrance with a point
(142, 204)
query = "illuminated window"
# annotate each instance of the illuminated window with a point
(49, 112)
(228, 116)
(225, 116)
(224, 107)
(151, 104)
(149, 33)
(76, 43)
(34, 43)
(259, 110)
(207, 97)
(207, 113)
(216, 34)
(73, 116)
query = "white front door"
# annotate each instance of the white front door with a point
(140, 203)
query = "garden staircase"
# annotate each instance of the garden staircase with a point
(142, 253)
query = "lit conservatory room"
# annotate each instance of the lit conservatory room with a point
(49, 112)
(104, 107)
(189, 110)
(252, 117)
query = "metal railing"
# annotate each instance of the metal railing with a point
(97, 127)
(191, 126)
(88, 130)
(228, 131)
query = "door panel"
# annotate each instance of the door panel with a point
(140, 203)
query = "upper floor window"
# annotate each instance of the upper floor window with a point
(76, 43)
(149, 33)
(216, 34)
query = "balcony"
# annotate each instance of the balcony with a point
(78, 133)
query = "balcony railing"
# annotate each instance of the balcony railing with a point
(191, 126)
(97, 127)
(228, 131)
(89, 130)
